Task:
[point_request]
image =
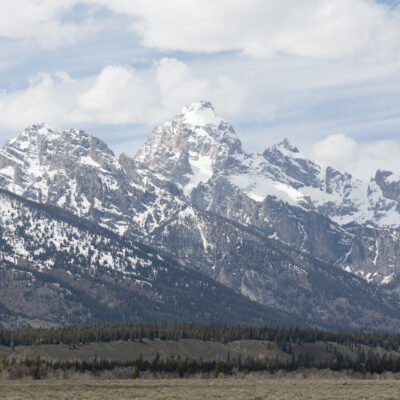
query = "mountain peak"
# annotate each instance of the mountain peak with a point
(46, 147)
(196, 129)
(286, 145)
(190, 147)
(389, 183)
(46, 132)
(383, 173)
(199, 114)
(42, 128)
(199, 106)
(32, 135)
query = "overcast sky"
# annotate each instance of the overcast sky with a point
(323, 73)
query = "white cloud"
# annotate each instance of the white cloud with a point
(39, 102)
(41, 21)
(317, 52)
(299, 70)
(64, 76)
(336, 148)
(120, 95)
(179, 86)
(117, 95)
(310, 28)
(360, 159)
(176, 82)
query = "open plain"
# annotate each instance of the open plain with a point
(193, 389)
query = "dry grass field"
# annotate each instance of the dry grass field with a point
(186, 348)
(193, 389)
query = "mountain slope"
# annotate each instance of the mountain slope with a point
(58, 269)
(274, 274)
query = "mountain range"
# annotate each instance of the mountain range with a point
(194, 228)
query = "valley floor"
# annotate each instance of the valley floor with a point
(191, 389)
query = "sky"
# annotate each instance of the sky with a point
(323, 73)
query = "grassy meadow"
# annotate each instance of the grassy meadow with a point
(193, 389)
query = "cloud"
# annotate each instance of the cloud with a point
(336, 148)
(64, 76)
(360, 159)
(118, 94)
(41, 21)
(136, 100)
(273, 69)
(177, 82)
(315, 28)
(122, 95)
(287, 58)
(179, 86)
(38, 102)
(312, 28)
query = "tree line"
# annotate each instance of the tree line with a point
(282, 336)
(39, 368)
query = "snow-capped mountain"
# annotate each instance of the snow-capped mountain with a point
(279, 191)
(80, 173)
(274, 227)
(190, 148)
(198, 149)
